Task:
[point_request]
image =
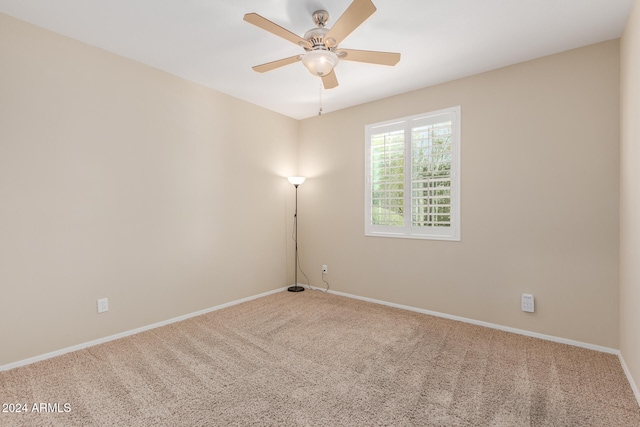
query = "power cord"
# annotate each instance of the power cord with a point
(326, 283)
(299, 266)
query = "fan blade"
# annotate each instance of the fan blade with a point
(330, 80)
(356, 14)
(276, 64)
(372, 57)
(265, 24)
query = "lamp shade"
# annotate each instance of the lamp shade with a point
(296, 180)
(320, 62)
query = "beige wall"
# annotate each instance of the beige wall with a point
(540, 159)
(121, 181)
(630, 195)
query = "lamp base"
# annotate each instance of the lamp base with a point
(295, 288)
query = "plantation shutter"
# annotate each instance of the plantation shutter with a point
(431, 171)
(412, 184)
(387, 176)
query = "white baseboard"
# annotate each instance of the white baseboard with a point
(131, 332)
(486, 324)
(632, 383)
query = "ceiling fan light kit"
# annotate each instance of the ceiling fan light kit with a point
(320, 62)
(321, 44)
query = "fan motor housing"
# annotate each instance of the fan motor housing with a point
(315, 36)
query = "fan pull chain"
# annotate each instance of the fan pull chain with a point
(320, 100)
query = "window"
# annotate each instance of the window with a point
(413, 177)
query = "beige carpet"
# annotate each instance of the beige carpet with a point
(315, 359)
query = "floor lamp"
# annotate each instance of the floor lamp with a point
(296, 181)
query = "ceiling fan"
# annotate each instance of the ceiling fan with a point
(321, 44)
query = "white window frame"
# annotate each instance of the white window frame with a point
(452, 232)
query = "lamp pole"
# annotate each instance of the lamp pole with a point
(296, 181)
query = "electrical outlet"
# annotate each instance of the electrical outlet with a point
(325, 269)
(528, 303)
(103, 305)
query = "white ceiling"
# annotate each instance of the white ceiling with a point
(207, 41)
